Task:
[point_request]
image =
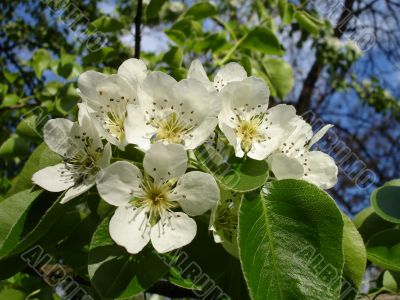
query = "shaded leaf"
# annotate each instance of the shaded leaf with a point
(15, 146)
(13, 211)
(117, 274)
(40, 158)
(154, 7)
(234, 174)
(383, 249)
(368, 222)
(386, 201)
(107, 24)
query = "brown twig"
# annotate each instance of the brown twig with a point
(138, 24)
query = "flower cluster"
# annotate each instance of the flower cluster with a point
(168, 119)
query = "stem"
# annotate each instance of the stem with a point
(229, 54)
(138, 23)
(225, 26)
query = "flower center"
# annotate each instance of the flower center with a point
(113, 120)
(155, 198)
(171, 129)
(247, 131)
(227, 221)
(81, 161)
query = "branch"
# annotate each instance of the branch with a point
(304, 101)
(138, 23)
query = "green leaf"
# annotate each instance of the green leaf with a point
(246, 63)
(28, 127)
(286, 11)
(154, 7)
(41, 216)
(355, 259)
(115, 273)
(174, 57)
(107, 24)
(264, 40)
(12, 294)
(13, 212)
(10, 100)
(181, 31)
(11, 77)
(40, 158)
(290, 242)
(368, 222)
(280, 76)
(15, 146)
(201, 10)
(308, 22)
(103, 54)
(386, 201)
(41, 60)
(213, 42)
(241, 175)
(383, 249)
(176, 36)
(391, 281)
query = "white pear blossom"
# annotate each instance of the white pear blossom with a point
(105, 98)
(146, 204)
(296, 160)
(228, 73)
(250, 127)
(353, 46)
(174, 112)
(83, 157)
(224, 221)
(334, 43)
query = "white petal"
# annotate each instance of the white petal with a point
(228, 73)
(136, 129)
(198, 102)
(200, 108)
(298, 134)
(115, 90)
(119, 183)
(54, 179)
(282, 114)
(87, 111)
(134, 70)
(159, 86)
(232, 139)
(196, 71)
(250, 92)
(87, 130)
(104, 161)
(129, 228)
(75, 191)
(163, 162)
(175, 232)
(285, 167)
(260, 150)
(200, 134)
(320, 169)
(87, 82)
(320, 134)
(196, 192)
(57, 135)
